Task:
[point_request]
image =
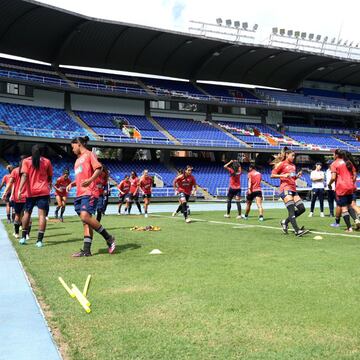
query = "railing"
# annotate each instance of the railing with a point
(268, 193)
(173, 93)
(158, 192)
(63, 134)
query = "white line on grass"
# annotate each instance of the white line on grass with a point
(242, 226)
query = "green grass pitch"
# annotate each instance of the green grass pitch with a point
(222, 289)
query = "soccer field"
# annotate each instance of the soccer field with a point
(222, 289)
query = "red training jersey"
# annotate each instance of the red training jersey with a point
(38, 180)
(85, 166)
(254, 178)
(101, 182)
(145, 184)
(344, 178)
(5, 179)
(61, 184)
(234, 178)
(124, 187)
(134, 183)
(185, 183)
(15, 176)
(286, 167)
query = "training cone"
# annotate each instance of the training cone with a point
(155, 252)
(318, 237)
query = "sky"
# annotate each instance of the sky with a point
(312, 16)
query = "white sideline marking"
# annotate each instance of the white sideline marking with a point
(243, 226)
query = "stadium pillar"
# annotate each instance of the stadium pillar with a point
(208, 113)
(67, 101)
(147, 108)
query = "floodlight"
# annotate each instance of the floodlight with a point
(311, 36)
(303, 35)
(351, 44)
(339, 41)
(237, 24)
(282, 32)
(228, 22)
(274, 30)
(290, 33)
(326, 38)
(219, 21)
(255, 27)
(318, 37)
(333, 40)
(345, 43)
(357, 45)
(245, 25)
(297, 34)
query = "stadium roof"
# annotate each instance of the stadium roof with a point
(45, 33)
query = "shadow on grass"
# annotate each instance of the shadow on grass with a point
(119, 249)
(51, 243)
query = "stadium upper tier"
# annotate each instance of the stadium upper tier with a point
(125, 128)
(319, 100)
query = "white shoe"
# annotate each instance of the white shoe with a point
(27, 237)
(188, 220)
(322, 214)
(146, 215)
(174, 214)
(239, 217)
(310, 214)
(226, 216)
(243, 216)
(16, 236)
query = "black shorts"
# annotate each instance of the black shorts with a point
(146, 196)
(134, 197)
(233, 192)
(19, 208)
(7, 199)
(344, 200)
(125, 198)
(285, 193)
(250, 197)
(182, 195)
(42, 202)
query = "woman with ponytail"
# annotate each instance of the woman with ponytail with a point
(87, 170)
(35, 184)
(343, 173)
(285, 170)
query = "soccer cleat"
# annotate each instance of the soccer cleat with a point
(261, 218)
(301, 232)
(81, 253)
(322, 214)
(226, 216)
(311, 214)
(357, 224)
(111, 245)
(349, 230)
(188, 220)
(8, 221)
(39, 244)
(22, 241)
(335, 225)
(284, 226)
(61, 219)
(174, 214)
(16, 236)
(27, 237)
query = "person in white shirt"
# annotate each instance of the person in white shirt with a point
(318, 189)
(330, 193)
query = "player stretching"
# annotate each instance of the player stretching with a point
(286, 172)
(124, 193)
(60, 193)
(185, 186)
(145, 185)
(254, 192)
(87, 169)
(35, 184)
(4, 182)
(234, 169)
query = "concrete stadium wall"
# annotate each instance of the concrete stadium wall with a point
(107, 104)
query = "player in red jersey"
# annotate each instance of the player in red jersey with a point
(134, 192)
(12, 188)
(185, 186)
(35, 184)
(124, 193)
(4, 182)
(61, 194)
(343, 173)
(87, 169)
(101, 182)
(286, 171)
(234, 169)
(254, 192)
(145, 185)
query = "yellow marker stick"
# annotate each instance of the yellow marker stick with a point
(63, 283)
(86, 287)
(80, 296)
